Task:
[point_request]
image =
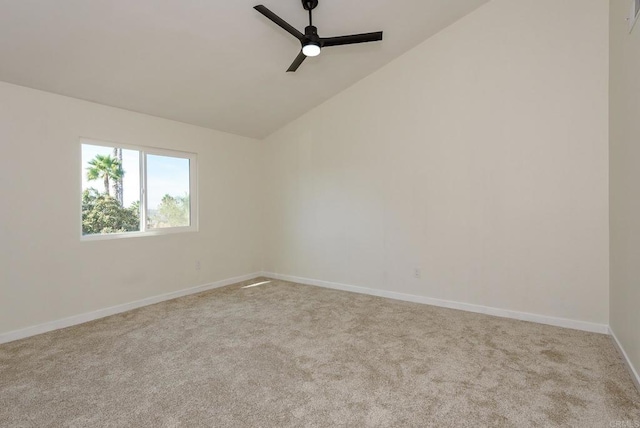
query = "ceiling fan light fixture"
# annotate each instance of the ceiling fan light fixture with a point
(311, 49)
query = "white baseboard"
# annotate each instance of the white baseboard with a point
(632, 370)
(523, 316)
(101, 313)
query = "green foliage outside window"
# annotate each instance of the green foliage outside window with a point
(102, 213)
(173, 211)
(107, 168)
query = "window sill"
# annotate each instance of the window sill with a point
(155, 232)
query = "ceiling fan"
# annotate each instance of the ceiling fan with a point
(310, 41)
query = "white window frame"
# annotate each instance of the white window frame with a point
(144, 151)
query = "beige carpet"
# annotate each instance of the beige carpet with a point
(281, 354)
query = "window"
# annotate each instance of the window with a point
(133, 191)
(635, 13)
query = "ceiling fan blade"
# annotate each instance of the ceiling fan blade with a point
(349, 40)
(296, 62)
(279, 21)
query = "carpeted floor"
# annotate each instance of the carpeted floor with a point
(281, 354)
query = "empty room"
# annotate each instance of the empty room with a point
(291, 213)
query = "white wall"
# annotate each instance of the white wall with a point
(625, 180)
(480, 157)
(47, 273)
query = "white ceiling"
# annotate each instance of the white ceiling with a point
(216, 63)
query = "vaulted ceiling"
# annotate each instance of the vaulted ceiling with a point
(216, 63)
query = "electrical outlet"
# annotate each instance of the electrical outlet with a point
(417, 273)
(197, 264)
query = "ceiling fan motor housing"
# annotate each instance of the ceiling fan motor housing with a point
(311, 36)
(309, 4)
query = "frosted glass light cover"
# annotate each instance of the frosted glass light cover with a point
(311, 50)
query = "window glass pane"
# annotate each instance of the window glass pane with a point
(110, 190)
(167, 191)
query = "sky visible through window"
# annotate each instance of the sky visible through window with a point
(165, 175)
